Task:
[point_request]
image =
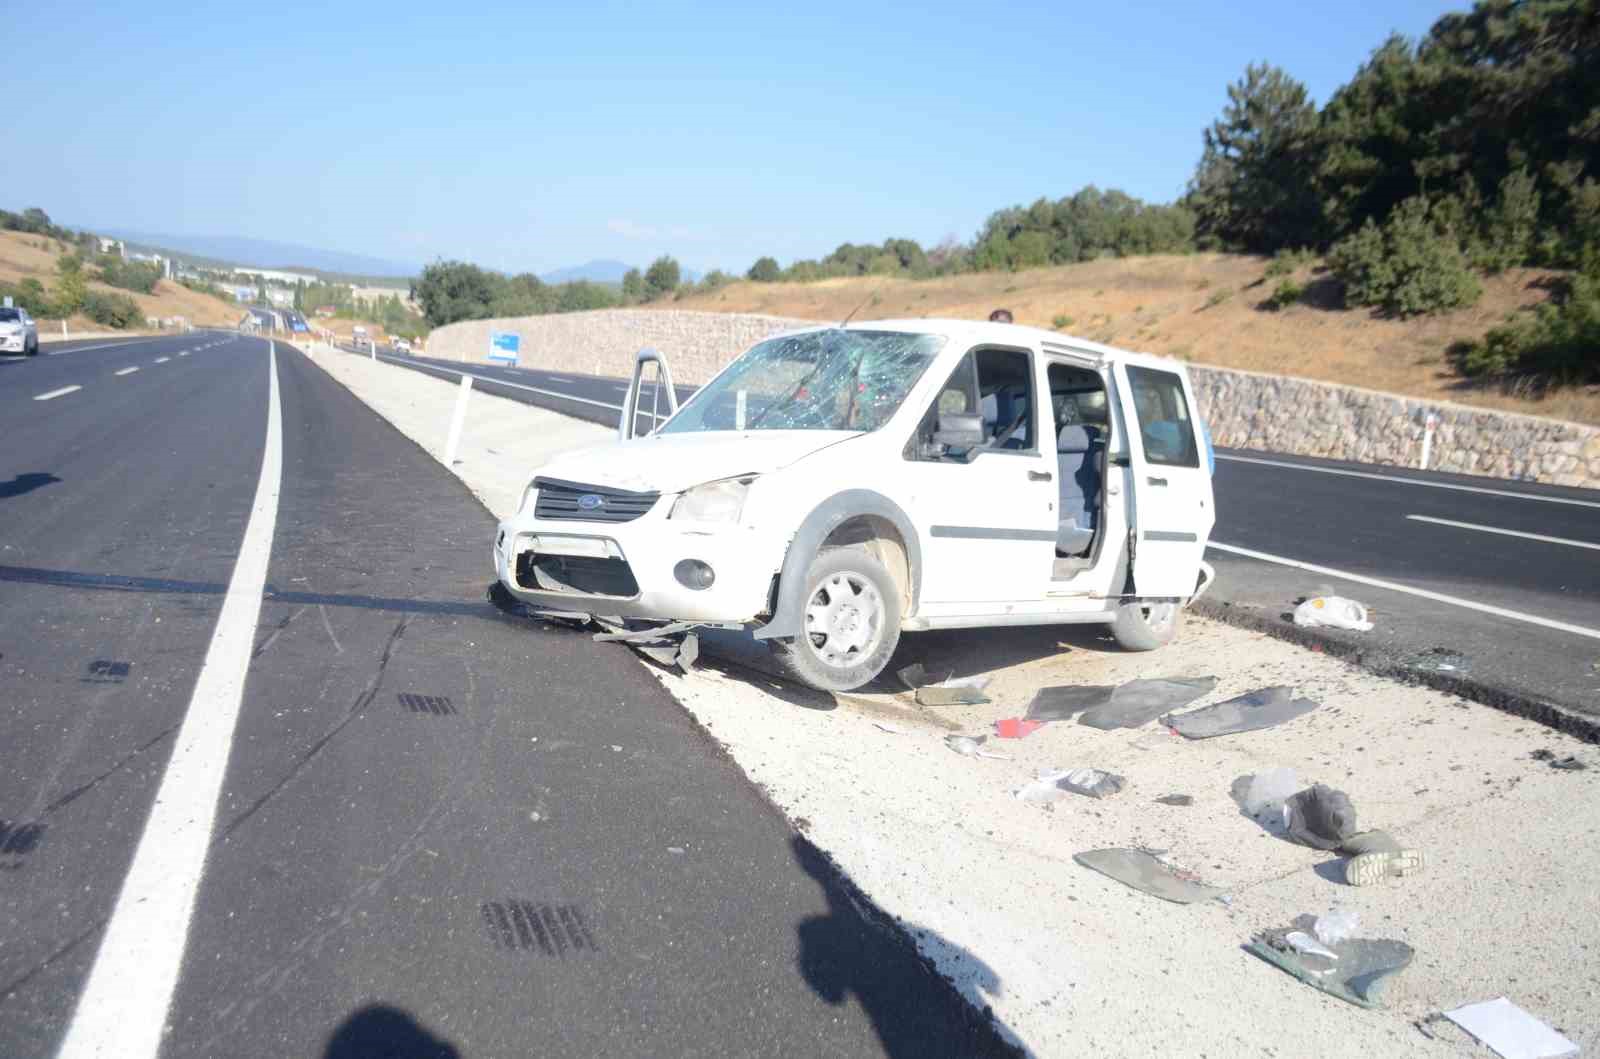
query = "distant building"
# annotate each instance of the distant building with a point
(110, 246)
(282, 297)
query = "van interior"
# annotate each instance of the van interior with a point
(1078, 401)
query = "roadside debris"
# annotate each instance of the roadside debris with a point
(1439, 660)
(972, 746)
(1511, 1031)
(1139, 702)
(1374, 856)
(1016, 727)
(1320, 817)
(1065, 702)
(1092, 783)
(952, 691)
(1356, 971)
(1043, 790)
(1336, 926)
(887, 727)
(1333, 612)
(1176, 799)
(1265, 793)
(1570, 763)
(1245, 713)
(1145, 872)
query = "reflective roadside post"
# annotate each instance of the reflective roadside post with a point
(1428, 426)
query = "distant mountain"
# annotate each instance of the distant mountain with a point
(264, 253)
(596, 271)
(603, 270)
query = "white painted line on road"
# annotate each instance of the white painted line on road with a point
(513, 385)
(1410, 481)
(1503, 532)
(106, 345)
(53, 394)
(125, 371)
(185, 352)
(123, 1007)
(162, 360)
(1437, 597)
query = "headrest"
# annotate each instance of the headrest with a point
(1077, 437)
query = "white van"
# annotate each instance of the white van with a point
(834, 487)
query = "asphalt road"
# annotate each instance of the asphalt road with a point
(437, 830)
(1489, 586)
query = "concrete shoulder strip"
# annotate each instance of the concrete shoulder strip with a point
(123, 1008)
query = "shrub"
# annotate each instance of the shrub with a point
(1410, 266)
(129, 275)
(113, 310)
(1560, 341)
(29, 295)
(1061, 321)
(1218, 297)
(765, 270)
(1285, 294)
(1287, 261)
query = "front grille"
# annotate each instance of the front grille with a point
(561, 500)
(577, 574)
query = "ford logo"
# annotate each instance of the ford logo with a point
(590, 501)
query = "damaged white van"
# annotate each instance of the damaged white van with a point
(833, 488)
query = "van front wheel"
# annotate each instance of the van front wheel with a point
(850, 622)
(1146, 626)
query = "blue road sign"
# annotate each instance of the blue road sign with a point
(504, 346)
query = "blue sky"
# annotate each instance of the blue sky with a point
(525, 137)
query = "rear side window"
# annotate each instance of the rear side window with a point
(9, 315)
(1165, 425)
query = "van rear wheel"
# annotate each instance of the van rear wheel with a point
(1146, 626)
(850, 618)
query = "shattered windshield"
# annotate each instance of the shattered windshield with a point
(819, 380)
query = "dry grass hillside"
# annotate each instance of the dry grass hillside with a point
(1207, 308)
(23, 256)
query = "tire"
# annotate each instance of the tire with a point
(864, 632)
(1146, 626)
(33, 351)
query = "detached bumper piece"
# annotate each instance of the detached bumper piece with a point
(673, 644)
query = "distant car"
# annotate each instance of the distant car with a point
(18, 332)
(402, 346)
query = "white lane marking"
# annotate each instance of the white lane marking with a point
(106, 345)
(1410, 481)
(123, 1007)
(1503, 532)
(1437, 597)
(125, 371)
(53, 394)
(185, 352)
(162, 360)
(513, 385)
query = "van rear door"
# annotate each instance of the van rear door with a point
(1171, 505)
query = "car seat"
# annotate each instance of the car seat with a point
(1079, 452)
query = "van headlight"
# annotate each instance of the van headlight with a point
(713, 502)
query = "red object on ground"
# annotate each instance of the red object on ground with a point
(1016, 727)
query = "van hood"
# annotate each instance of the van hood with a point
(671, 463)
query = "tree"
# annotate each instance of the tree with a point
(661, 278)
(1254, 188)
(37, 221)
(632, 286)
(72, 289)
(454, 290)
(765, 270)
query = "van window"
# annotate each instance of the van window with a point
(996, 384)
(1165, 426)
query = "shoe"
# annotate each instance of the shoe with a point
(1368, 868)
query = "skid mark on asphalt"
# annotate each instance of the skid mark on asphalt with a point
(277, 630)
(43, 965)
(84, 788)
(357, 708)
(323, 611)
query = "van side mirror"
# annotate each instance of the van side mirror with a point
(959, 430)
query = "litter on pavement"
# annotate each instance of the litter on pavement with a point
(1333, 612)
(1356, 973)
(1145, 872)
(1245, 713)
(1266, 792)
(1066, 702)
(1336, 926)
(1092, 783)
(1176, 799)
(1016, 727)
(952, 691)
(1511, 1031)
(1139, 702)
(1320, 817)
(1566, 764)
(971, 746)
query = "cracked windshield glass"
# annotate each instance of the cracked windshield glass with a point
(820, 380)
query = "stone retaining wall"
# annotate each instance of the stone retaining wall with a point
(1245, 410)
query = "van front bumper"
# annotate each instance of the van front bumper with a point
(636, 569)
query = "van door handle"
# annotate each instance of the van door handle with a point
(1039, 476)
(1156, 481)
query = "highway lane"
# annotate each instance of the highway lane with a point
(435, 822)
(1481, 550)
